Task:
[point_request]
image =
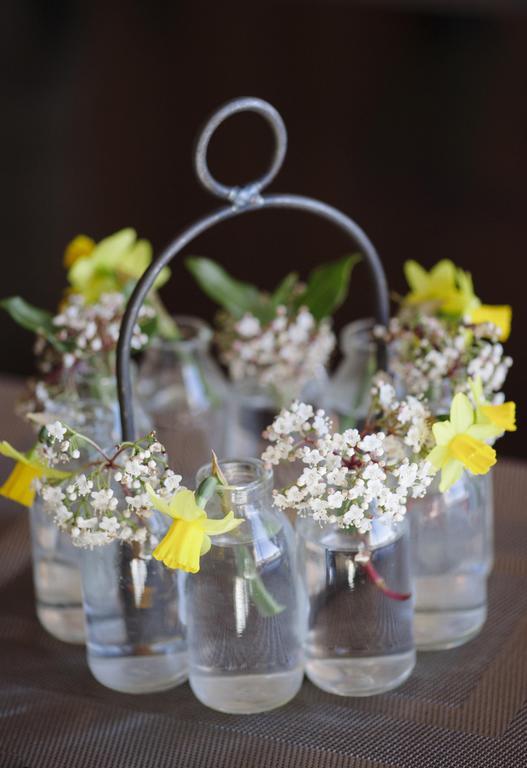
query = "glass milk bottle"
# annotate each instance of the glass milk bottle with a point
(185, 394)
(451, 553)
(349, 389)
(359, 639)
(135, 637)
(245, 607)
(56, 574)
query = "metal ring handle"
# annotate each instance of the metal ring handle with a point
(249, 193)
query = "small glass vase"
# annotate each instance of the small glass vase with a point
(349, 389)
(186, 397)
(451, 554)
(245, 606)
(359, 640)
(135, 636)
(254, 407)
(56, 572)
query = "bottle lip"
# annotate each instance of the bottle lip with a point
(260, 476)
(197, 334)
(358, 335)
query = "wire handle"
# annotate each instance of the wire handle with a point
(242, 200)
(250, 193)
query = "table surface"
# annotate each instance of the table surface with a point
(460, 708)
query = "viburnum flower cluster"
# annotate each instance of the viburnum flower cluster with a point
(407, 423)
(293, 347)
(345, 478)
(433, 357)
(106, 498)
(84, 330)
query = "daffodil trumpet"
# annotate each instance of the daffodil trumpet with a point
(189, 536)
(501, 416)
(20, 485)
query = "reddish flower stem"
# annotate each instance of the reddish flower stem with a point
(379, 582)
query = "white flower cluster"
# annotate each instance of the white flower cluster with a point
(86, 329)
(434, 357)
(407, 423)
(106, 499)
(290, 348)
(346, 478)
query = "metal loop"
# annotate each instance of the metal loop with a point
(249, 194)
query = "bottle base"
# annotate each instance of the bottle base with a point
(440, 630)
(361, 676)
(246, 694)
(66, 624)
(139, 674)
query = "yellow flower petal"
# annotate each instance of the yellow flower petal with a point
(6, 449)
(502, 416)
(80, 247)
(476, 456)
(499, 315)
(461, 413)
(181, 546)
(450, 474)
(443, 432)
(206, 545)
(416, 276)
(438, 456)
(226, 524)
(19, 484)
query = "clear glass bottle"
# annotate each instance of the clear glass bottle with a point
(245, 606)
(135, 636)
(348, 393)
(56, 574)
(451, 546)
(359, 640)
(186, 396)
(254, 408)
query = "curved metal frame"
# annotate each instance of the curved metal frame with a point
(244, 199)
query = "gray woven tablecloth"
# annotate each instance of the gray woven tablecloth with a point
(461, 708)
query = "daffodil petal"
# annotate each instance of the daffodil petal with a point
(205, 545)
(183, 506)
(461, 413)
(450, 474)
(226, 524)
(475, 455)
(416, 276)
(443, 432)
(438, 456)
(502, 416)
(499, 315)
(6, 449)
(444, 273)
(484, 431)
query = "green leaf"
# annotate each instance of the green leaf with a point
(283, 292)
(234, 296)
(327, 287)
(33, 319)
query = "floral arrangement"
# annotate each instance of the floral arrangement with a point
(84, 332)
(98, 497)
(283, 339)
(443, 336)
(347, 478)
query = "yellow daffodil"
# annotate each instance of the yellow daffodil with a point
(188, 538)
(80, 247)
(502, 417)
(111, 265)
(19, 484)
(499, 315)
(447, 286)
(460, 444)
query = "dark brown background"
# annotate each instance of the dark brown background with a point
(411, 117)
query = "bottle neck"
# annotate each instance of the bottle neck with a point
(249, 489)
